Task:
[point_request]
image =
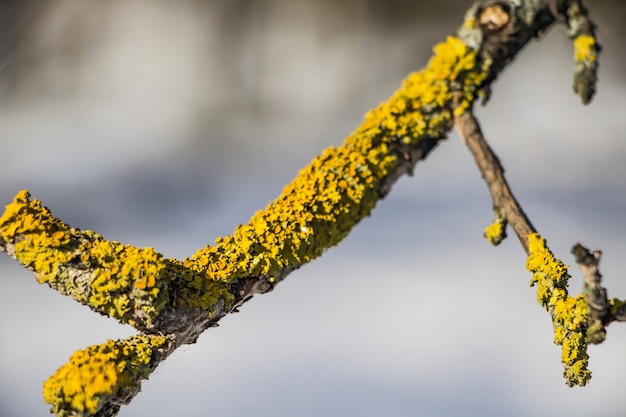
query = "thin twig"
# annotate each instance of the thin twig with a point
(600, 310)
(503, 199)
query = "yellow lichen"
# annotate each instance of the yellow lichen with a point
(585, 48)
(314, 212)
(99, 372)
(495, 233)
(44, 239)
(342, 185)
(112, 278)
(569, 314)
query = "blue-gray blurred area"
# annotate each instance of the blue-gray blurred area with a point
(166, 124)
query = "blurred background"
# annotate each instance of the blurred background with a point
(166, 124)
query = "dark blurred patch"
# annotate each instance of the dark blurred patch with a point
(16, 17)
(241, 19)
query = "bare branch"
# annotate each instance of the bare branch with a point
(492, 172)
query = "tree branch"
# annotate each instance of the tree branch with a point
(505, 205)
(172, 301)
(576, 321)
(569, 315)
(600, 310)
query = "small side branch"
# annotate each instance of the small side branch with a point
(550, 275)
(503, 199)
(600, 310)
(569, 314)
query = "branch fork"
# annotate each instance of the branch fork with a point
(171, 301)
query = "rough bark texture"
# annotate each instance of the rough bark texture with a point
(172, 301)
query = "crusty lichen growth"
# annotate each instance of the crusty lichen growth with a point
(117, 280)
(316, 211)
(195, 288)
(495, 233)
(342, 185)
(585, 49)
(82, 386)
(617, 307)
(569, 314)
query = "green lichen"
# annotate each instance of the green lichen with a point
(569, 314)
(83, 385)
(616, 306)
(112, 278)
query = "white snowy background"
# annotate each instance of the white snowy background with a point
(166, 124)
